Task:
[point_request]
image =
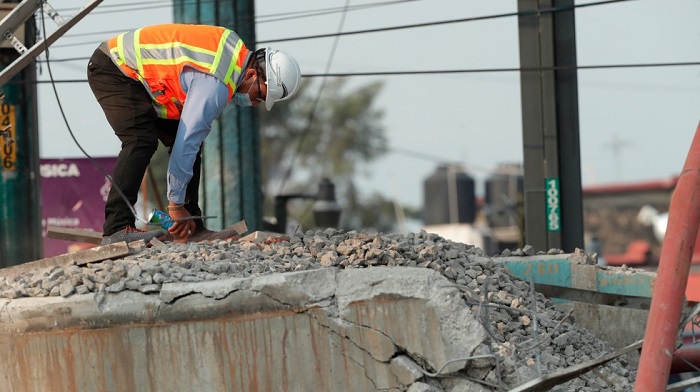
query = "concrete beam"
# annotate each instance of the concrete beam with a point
(327, 329)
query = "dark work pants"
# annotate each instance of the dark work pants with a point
(129, 110)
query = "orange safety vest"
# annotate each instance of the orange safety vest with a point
(157, 55)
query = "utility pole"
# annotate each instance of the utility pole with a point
(231, 180)
(552, 159)
(616, 145)
(20, 207)
(20, 213)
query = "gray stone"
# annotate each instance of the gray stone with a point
(116, 287)
(216, 270)
(82, 289)
(405, 369)
(56, 274)
(422, 387)
(159, 278)
(66, 289)
(462, 385)
(134, 272)
(569, 351)
(528, 250)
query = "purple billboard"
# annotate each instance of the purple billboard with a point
(73, 195)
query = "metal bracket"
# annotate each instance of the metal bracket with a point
(6, 136)
(19, 15)
(19, 46)
(53, 14)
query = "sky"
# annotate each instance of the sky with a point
(635, 123)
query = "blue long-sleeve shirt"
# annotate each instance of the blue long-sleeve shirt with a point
(206, 99)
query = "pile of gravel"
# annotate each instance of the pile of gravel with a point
(531, 336)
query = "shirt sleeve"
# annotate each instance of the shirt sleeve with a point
(206, 99)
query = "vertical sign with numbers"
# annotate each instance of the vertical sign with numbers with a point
(8, 152)
(551, 186)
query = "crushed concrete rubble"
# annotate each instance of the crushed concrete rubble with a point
(528, 335)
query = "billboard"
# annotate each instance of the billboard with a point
(73, 195)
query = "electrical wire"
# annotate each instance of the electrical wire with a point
(513, 69)
(160, 2)
(92, 160)
(538, 12)
(258, 19)
(321, 12)
(124, 7)
(312, 113)
(346, 8)
(70, 130)
(335, 9)
(452, 71)
(437, 71)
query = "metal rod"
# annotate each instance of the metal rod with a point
(672, 276)
(686, 359)
(535, 330)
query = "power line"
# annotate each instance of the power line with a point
(312, 113)
(515, 69)
(103, 6)
(140, 6)
(415, 154)
(91, 34)
(327, 11)
(297, 15)
(538, 12)
(452, 71)
(269, 18)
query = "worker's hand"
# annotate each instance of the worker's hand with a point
(181, 229)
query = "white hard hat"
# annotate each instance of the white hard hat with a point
(283, 76)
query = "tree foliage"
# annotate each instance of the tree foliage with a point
(307, 138)
(313, 138)
(324, 137)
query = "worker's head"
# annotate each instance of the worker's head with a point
(272, 76)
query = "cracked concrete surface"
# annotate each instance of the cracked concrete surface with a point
(215, 316)
(318, 330)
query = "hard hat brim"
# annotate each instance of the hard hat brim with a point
(283, 76)
(274, 90)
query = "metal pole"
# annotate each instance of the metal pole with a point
(553, 216)
(568, 128)
(533, 138)
(671, 277)
(20, 213)
(686, 359)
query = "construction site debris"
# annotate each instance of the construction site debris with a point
(529, 335)
(74, 234)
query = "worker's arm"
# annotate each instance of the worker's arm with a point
(206, 99)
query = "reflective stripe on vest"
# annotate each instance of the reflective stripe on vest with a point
(157, 55)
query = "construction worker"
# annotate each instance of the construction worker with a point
(169, 82)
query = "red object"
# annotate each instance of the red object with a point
(638, 252)
(636, 187)
(695, 259)
(686, 359)
(672, 277)
(692, 289)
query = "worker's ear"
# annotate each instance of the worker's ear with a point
(250, 73)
